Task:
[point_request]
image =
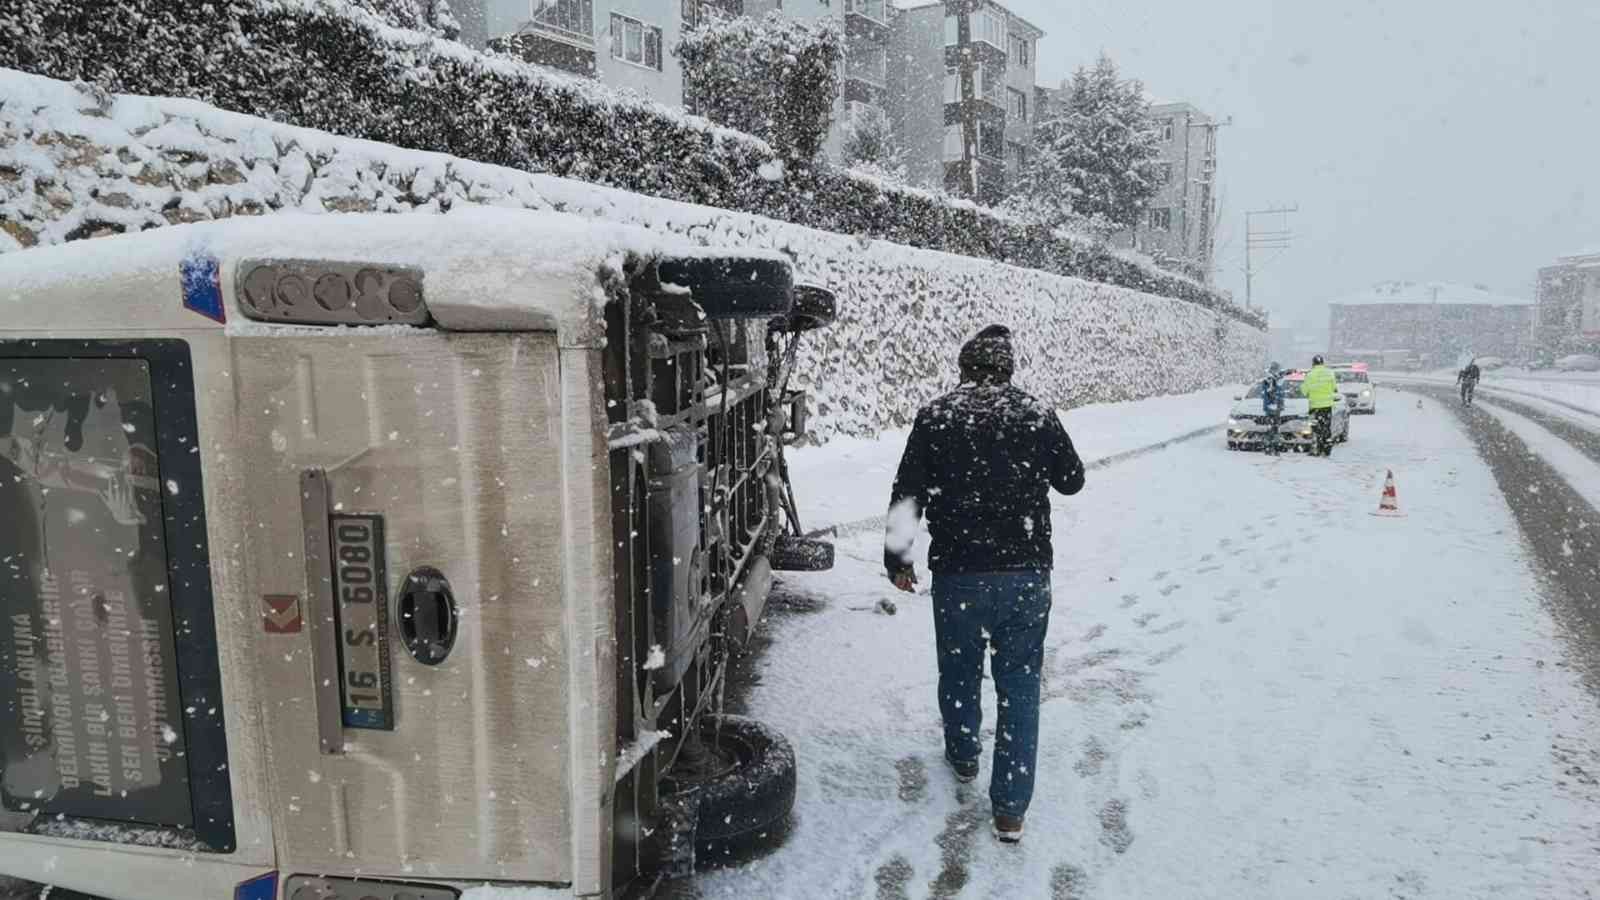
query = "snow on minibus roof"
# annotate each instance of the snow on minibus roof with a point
(484, 269)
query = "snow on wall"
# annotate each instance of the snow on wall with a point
(76, 162)
(339, 66)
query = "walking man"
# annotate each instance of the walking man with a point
(980, 463)
(1321, 387)
(1468, 379)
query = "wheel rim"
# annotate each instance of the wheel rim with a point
(725, 753)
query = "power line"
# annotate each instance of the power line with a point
(1279, 239)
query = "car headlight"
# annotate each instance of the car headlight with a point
(1232, 421)
(1366, 393)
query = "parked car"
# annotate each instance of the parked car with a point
(1355, 383)
(399, 554)
(1249, 427)
(1579, 362)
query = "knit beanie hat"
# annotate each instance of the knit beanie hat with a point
(988, 354)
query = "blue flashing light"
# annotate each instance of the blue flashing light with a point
(202, 287)
(262, 888)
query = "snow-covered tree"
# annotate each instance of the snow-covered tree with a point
(1096, 162)
(775, 78)
(870, 147)
(431, 16)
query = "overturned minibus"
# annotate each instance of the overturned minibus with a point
(365, 556)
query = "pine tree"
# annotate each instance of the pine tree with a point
(1095, 164)
(870, 148)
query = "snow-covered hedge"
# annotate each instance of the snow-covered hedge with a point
(330, 65)
(76, 162)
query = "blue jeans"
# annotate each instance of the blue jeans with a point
(1008, 611)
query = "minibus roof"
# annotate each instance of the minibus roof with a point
(479, 268)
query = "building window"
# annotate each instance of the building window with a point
(1017, 104)
(1161, 218)
(1166, 129)
(991, 142)
(635, 42)
(988, 26)
(1016, 156)
(1021, 51)
(1166, 173)
(986, 82)
(952, 143)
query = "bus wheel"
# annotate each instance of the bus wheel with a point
(740, 776)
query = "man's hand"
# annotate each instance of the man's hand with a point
(906, 580)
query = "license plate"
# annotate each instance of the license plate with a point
(363, 621)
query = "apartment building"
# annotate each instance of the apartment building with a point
(925, 102)
(1569, 304)
(1431, 323)
(864, 76)
(1177, 226)
(623, 43)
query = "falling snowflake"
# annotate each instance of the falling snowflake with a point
(656, 659)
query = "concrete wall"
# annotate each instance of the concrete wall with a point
(77, 164)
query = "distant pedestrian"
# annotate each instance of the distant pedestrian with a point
(1321, 387)
(1272, 397)
(1468, 379)
(980, 463)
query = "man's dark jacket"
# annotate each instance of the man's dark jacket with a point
(980, 464)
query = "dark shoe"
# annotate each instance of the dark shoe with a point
(966, 771)
(1008, 829)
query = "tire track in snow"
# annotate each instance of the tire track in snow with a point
(1558, 524)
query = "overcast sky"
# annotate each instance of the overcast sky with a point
(1422, 139)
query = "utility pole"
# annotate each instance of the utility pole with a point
(969, 97)
(1208, 172)
(1188, 179)
(1281, 239)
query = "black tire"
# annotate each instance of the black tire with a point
(746, 807)
(17, 889)
(733, 287)
(799, 554)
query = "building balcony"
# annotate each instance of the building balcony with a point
(870, 9)
(988, 87)
(870, 68)
(567, 21)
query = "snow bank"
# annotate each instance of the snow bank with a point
(76, 162)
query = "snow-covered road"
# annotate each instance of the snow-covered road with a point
(1254, 688)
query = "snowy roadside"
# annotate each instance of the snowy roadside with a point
(1254, 688)
(1576, 397)
(1578, 470)
(847, 480)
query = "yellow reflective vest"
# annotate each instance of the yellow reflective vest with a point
(1321, 387)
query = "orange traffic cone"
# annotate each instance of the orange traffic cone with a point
(1389, 506)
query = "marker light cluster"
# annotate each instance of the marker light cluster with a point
(312, 292)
